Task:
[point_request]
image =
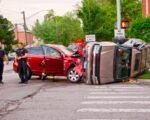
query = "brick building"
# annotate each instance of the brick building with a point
(20, 34)
(146, 8)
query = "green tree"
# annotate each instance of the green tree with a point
(58, 29)
(49, 15)
(131, 9)
(6, 32)
(107, 2)
(140, 28)
(99, 16)
(44, 31)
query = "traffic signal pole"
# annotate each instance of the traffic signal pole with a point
(119, 36)
(118, 14)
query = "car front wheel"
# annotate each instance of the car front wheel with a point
(29, 74)
(73, 76)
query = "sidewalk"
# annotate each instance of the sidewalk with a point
(8, 67)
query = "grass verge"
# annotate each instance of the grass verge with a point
(145, 75)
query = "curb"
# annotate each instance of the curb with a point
(144, 81)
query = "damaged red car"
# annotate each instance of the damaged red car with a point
(55, 60)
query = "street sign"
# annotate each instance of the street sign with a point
(90, 38)
(120, 33)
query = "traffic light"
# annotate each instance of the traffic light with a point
(124, 24)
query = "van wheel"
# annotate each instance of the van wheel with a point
(29, 74)
(73, 76)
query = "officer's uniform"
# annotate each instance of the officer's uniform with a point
(22, 65)
(2, 53)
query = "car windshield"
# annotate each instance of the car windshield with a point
(74, 47)
(66, 50)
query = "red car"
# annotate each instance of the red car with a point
(56, 60)
(77, 47)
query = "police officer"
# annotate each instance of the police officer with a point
(2, 57)
(21, 56)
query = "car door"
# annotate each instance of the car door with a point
(53, 61)
(35, 58)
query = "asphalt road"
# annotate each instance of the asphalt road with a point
(12, 93)
(61, 100)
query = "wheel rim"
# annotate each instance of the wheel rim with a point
(73, 76)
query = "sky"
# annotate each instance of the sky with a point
(12, 9)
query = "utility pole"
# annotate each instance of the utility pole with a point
(25, 27)
(118, 15)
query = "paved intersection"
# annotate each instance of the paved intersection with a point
(116, 102)
(61, 100)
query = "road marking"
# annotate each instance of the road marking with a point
(117, 97)
(114, 110)
(116, 93)
(121, 87)
(117, 90)
(102, 119)
(115, 102)
(97, 90)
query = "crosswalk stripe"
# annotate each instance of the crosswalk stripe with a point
(117, 97)
(102, 119)
(121, 87)
(116, 93)
(114, 110)
(118, 90)
(115, 102)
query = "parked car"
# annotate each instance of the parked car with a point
(12, 54)
(56, 60)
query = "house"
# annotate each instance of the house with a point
(21, 36)
(146, 8)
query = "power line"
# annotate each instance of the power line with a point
(35, 14)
